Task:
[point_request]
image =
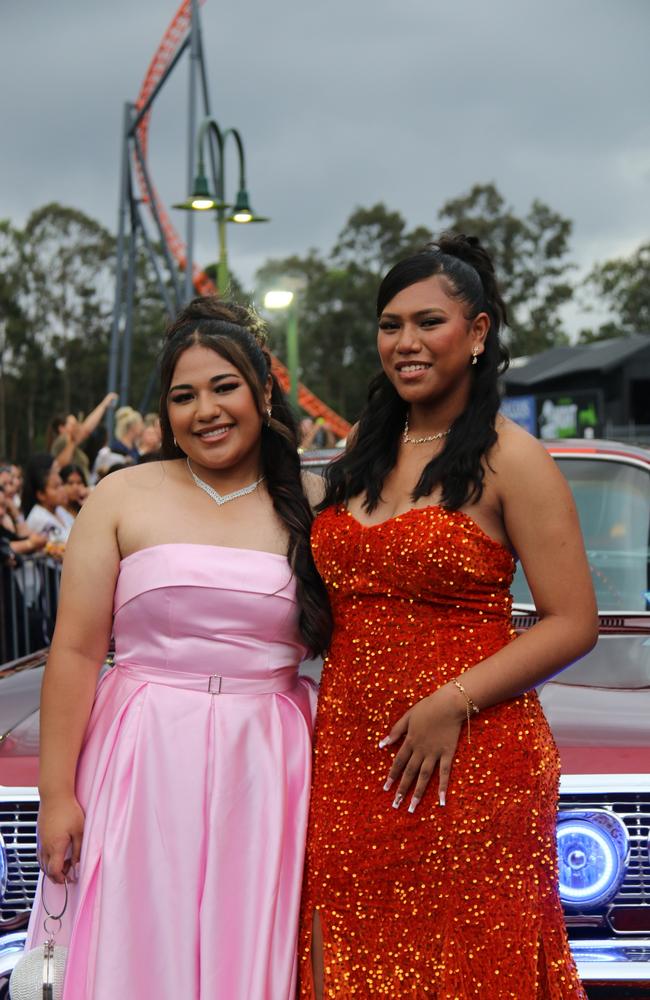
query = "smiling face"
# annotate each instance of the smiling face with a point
(213, 413)
(425, 343)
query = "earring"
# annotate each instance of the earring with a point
(175, 443)
(268, 415)
(475, 355)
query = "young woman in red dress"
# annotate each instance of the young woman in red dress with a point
(432, 868)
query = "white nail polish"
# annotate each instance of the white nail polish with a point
(384, 743)
(389, 784)
(414, 803)
(441, 798)
(397, 801)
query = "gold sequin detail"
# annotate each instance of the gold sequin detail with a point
(445, 903)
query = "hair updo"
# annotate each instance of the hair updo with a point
(468, 274)
(238, 335)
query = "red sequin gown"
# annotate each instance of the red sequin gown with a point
(449, 902)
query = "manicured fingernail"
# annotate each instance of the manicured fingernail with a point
(441, 798)
(384, 743)
(397, 801)
(389, 783)
(415, 801)
(76, 872)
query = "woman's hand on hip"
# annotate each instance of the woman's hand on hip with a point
(430, 731)
(60, 832)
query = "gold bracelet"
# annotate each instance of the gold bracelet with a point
(472, 707)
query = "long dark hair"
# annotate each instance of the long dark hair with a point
(237, 335)
(458, 468)
(37, 473)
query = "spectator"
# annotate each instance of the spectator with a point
(10, 482)
(75, 488)
(15, 488)
(68, 434)
(19, 539)
(122, 449)
(43, 499)
(316, 434)
(151, 438)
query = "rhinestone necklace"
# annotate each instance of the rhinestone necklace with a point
(422, 440)
(218, 497)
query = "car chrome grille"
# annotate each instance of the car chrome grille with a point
(18, 829)
(633, 808)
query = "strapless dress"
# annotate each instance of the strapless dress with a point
(453, 903)
(194, 778)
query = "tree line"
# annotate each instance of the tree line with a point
(57, 283)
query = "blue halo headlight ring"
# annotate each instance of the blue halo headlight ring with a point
(592, 853)
(4, 869)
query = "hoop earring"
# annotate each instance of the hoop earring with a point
(475, 355)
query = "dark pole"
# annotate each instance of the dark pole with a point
(292, 355)
(127, 337)
(114, 349)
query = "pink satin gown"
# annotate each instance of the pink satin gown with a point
(194, 778)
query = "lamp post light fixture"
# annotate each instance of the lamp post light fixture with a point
(283, 299)
(202, 199)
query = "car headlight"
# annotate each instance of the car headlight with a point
(592, 854)
(4, 869)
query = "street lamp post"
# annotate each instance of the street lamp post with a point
(202, 199)
(282, 299)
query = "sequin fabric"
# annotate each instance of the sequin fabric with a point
(450, 902)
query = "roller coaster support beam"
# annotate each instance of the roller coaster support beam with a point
(191, 131)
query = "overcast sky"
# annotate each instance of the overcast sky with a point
(342, 104)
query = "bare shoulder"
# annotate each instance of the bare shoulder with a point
(113, 492)
(521, 465)
(148, 476)
(314, 487)
(515, 445)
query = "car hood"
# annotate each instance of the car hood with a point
(20, 692)
(599, 708)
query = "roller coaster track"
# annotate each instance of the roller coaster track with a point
(172, 40)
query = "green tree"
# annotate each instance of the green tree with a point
(14, 329)
(57, 289)
(337, 328)
(530, 255)
(620, 287)
(70, 278)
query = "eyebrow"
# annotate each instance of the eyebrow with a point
(215, 378)
(421, 312)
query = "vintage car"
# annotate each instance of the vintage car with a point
(599, 709)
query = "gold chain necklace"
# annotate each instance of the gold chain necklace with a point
(422, 440)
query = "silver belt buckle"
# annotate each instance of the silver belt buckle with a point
(214, 684)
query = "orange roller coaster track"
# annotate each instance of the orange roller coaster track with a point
(174, 39)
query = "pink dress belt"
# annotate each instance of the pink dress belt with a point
(210, 683)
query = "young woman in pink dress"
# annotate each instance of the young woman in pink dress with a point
(174, 796)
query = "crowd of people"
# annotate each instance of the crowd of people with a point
(40, 500)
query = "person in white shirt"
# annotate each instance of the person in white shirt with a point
(43, 499)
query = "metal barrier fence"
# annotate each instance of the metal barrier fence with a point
(29, 595)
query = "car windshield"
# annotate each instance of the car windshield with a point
(613, 500)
